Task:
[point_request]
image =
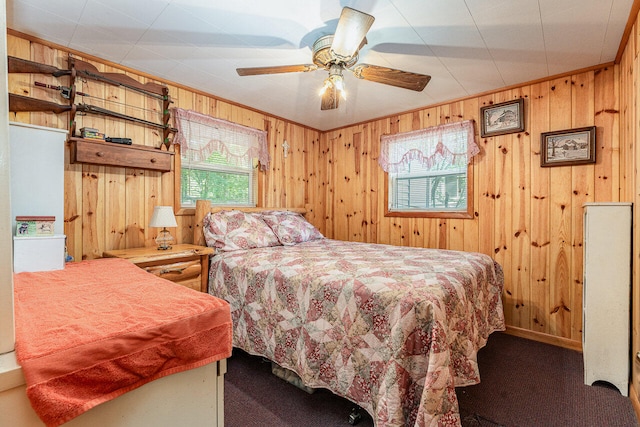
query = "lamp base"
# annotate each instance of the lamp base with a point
(164, 240)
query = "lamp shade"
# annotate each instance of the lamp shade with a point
(163, 217)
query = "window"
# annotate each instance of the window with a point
(428, 171)
(215, 179)
(219, 160)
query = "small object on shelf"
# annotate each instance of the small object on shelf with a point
(87, 129)
(125, 141)
(91, 135)
(35, 225)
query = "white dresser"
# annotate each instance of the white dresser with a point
(607, 294)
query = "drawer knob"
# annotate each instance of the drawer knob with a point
(99, 154)
(153, 160)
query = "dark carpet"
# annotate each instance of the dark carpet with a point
(523, 383)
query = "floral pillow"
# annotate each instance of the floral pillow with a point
(291, 227)
(234, 230)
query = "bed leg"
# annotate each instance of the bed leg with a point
(355, 416)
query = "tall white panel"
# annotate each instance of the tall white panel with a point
(607, 294)
(37, 172)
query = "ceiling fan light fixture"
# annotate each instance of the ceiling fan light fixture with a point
(327, 84)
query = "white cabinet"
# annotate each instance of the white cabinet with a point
(37, 189)
(607, 294)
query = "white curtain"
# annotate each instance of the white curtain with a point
(202, 135)
(453, 143)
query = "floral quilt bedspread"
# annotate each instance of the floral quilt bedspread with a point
(393, 329)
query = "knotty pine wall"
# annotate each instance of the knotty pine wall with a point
(110, 207)
(528, 218)
(630, 159)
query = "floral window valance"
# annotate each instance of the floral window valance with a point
(203, 135)
(453, 143)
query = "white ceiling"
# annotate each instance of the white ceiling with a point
(467, 46)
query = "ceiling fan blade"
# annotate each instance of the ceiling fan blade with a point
(392, 77)
(276, 70)
(350, 33)
(330, 98)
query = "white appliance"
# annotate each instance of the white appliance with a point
(38, 253)
(37, 189)
(607, 294)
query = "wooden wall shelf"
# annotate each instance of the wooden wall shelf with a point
(110, 154)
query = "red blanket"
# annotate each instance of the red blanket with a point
(100, 328)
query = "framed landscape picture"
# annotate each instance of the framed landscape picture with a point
(503, 118)
(568, 147)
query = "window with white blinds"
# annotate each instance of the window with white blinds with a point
(216, 180)
(429, 170)
(418, 188)
(219, 159)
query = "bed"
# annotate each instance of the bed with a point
(393, 329)
(103, 336)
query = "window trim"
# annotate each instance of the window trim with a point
(468, 214)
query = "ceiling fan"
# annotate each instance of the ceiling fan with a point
(338, 52)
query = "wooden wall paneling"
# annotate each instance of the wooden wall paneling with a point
(560, 216)
(343, 188)
(502, 201)
(93, 196)
(607, 114)
(201, 103)
(318, 180)
(362, 170)
(136, 203)
(223, 110)
(264, 177)
(485, 191)
(471, 111)
(376, 180)
(582, 191)
(539, 111)
(135, 208)
(279, 196)
(329, 152)
(114, 201)
(356, 214)
(286, 165)
(298, 166)
(521, 220)
(114, 198)
(295, 166)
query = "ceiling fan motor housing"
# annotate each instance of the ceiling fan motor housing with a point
(324, 58)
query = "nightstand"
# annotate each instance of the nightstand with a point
(185, 264)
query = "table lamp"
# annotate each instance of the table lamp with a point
(163, 217)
